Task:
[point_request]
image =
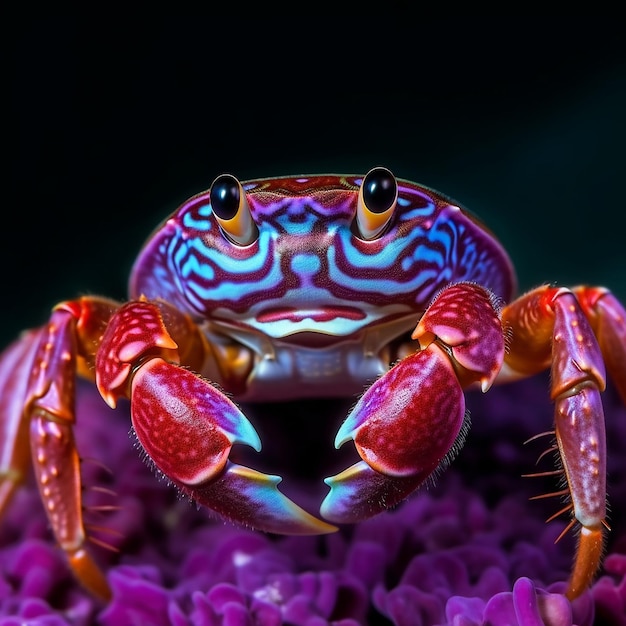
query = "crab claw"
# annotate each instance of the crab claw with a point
(406, 425)
(411, 421)
(187, 428)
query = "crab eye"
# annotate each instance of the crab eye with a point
(378, 197)
(231, 209)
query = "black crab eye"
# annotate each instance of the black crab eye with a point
(225, 196)
(378, 197)
(231, 209)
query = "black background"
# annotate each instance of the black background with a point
(112, 123)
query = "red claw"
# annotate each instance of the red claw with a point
(405, 426)
(412, 419)
(186, 426)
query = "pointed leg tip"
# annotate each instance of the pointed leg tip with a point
(89, 574)
(587, 563)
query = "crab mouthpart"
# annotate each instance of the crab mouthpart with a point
(319, 315)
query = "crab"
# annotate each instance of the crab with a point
(305, 287)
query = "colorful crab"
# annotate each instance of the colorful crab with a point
(307, 287)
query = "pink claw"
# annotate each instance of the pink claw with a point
(187, 428)
(411, 421)
(407, 424)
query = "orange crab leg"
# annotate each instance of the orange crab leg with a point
(548, 325)
(50, 400)
(37, 377)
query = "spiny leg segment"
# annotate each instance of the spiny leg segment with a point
(550, 327)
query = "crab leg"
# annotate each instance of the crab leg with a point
(15, 367)
(607, 317)
(37, 379)
(186, 426)
(412, 420)
(549, 325)
(50, 411)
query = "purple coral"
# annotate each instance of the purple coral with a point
(471, 550)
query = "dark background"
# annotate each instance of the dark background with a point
(111, 125)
